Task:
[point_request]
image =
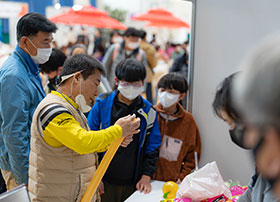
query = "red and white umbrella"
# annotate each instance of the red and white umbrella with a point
(90, 16)
(160, 17)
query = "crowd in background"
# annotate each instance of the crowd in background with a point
(158, 59)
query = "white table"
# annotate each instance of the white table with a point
(155, 195)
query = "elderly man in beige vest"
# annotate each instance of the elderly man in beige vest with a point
(62, 156)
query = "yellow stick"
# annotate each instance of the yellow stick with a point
(101, 170)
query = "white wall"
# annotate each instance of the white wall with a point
(225, 32)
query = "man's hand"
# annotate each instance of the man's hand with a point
(101, 188)
(129, 125)
(127, 140)
(144, 184)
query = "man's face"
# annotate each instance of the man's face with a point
(131, 42)
(40, 40)
(89, 87)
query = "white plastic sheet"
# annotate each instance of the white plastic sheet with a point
(205, 183)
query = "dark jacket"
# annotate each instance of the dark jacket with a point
(181, 64)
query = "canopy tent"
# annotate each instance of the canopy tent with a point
(90, 16)
(160, 17)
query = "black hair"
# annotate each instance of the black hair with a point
(114, 32)
(174, 81)
(142, 34)
(131, 31)
(130, 70)
(31, 23)
(223, 100)
(80, 62)
(56, 60)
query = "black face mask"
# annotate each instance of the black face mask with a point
(237, 136)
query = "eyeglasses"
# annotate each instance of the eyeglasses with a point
(134, 84)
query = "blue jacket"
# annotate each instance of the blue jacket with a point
(20, 93)
(150, 138)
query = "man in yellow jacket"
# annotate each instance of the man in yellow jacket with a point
(62, 156)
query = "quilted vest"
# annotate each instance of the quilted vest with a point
(58, 174)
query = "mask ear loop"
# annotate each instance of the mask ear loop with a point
(81, 85)
(71, 88)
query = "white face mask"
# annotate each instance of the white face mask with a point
(43, 54)
(167, 99)
(130, 92)
(81, 101)
(117, 39)
(133, 45)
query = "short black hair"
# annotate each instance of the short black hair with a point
(56, 60)
(131, 31)
(31, 23)
(80, 62)
(223, 100)
(142, 34)
(174, 81)
(130, 70)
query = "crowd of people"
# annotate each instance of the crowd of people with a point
(60, 109)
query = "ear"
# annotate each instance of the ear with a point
(116, 81)
(77, 76)
(59, 69)
(182, 95)
(23, 42)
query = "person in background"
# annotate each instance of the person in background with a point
(152, 60)
(129, 48)
(99, 52)
(180, 136)
(53, 68)
(177, 51)
(98, 40)
(256, 92)
(20, 93)
(78, 49)
(181, 62)
(62, 156)
(115, 37)
(181, 65)
(138, 159)
(259, 189)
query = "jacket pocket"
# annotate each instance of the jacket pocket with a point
(170, 148)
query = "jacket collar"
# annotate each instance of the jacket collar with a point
(179, 114)
(31, 68)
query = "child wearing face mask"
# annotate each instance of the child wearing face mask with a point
(179, 132)
(133, 166)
